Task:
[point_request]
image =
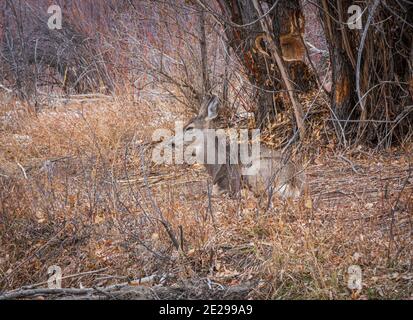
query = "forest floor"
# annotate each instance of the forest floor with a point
(78, 191)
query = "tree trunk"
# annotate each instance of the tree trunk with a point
(204, 52)
(287, 28)
(342, 64)
(370, 68)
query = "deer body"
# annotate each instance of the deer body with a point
(266, 171)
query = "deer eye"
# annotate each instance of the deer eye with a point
(189, 129)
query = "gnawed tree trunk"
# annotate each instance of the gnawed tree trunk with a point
(277, 56)
(287, 29)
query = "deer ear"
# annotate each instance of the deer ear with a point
(213, 105)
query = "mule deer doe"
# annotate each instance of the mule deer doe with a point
(270, 169)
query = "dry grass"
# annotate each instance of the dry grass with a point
(78, 191)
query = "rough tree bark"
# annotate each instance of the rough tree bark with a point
(287, 24)
(343, 63)
(276, 54)
(370, 70)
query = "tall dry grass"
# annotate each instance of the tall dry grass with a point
(78, 190)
